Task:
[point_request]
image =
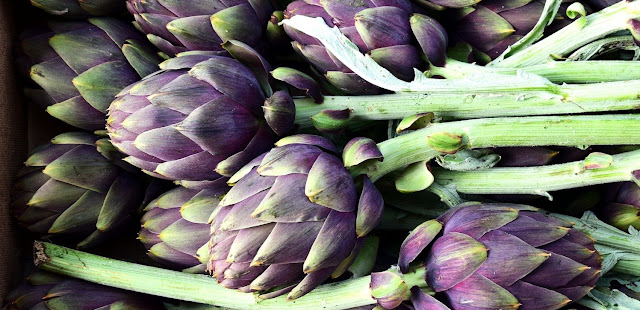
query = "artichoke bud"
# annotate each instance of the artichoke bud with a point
(299, 80)
(504, 256)
(446, 142)
(624, 211)
(43, 290)
(331, 121)
(415, 177)
(525, 156)
(280, 112)
(597, 160)
(359, 150)
(389, 289)
(69, 189)
(290, 220)
(415, 122)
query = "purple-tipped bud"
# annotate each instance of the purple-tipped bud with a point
(69, 190)
(331, 121)
(634, 28)
(524, 156)
(370, 208)
(597, 160)
(290, 220)
(360, 149)
(280, 112)
(299, 80)
(176, 26)
(389, 289)
(507, 256)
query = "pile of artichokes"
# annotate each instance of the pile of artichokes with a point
(374, 154)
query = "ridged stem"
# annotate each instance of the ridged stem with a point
(538, 180)
(565, 99)
(190, 287)
(577, 131)
(593, 71)
(582, 31)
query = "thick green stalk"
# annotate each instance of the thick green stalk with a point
(578, 131)
(582, 31)
(594, 71)
(190, 287)
(539, 180)
(565, 99)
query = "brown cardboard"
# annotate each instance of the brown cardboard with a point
(13, 146)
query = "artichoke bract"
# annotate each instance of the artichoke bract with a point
(176, 26)
(175, 228)
(69, 189)
(43, 290)
(502, 256)
(197, 120)
(79, 8)
(82, 65)
(293, 219)
(386, 30)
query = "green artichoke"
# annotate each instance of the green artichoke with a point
(175, 228)
(294, 218)
(197, 120)
(498, 256)
(175, 26)
(82, 65)
(79, 8)
(386, 30)
(43, 290)
(68, 188)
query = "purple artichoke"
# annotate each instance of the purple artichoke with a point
(294, 218)
(176, 26)
(493, 25)
(198, 119)
(500, 256)
(70, 189)
(387, 30)
(79, 8)
(624, 210)
(82, 66)
(44, 290)
(175, 228)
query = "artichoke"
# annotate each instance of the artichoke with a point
(82, 65)
(79, 8)
(197, 120)
(624, 209)
(69, 188)
(491, 26)
(175, 26)
(175, 228)
(386, 30)
(294, 218)
(44, 290)
(501, 256)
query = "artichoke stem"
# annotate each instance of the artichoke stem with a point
(191, 287)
